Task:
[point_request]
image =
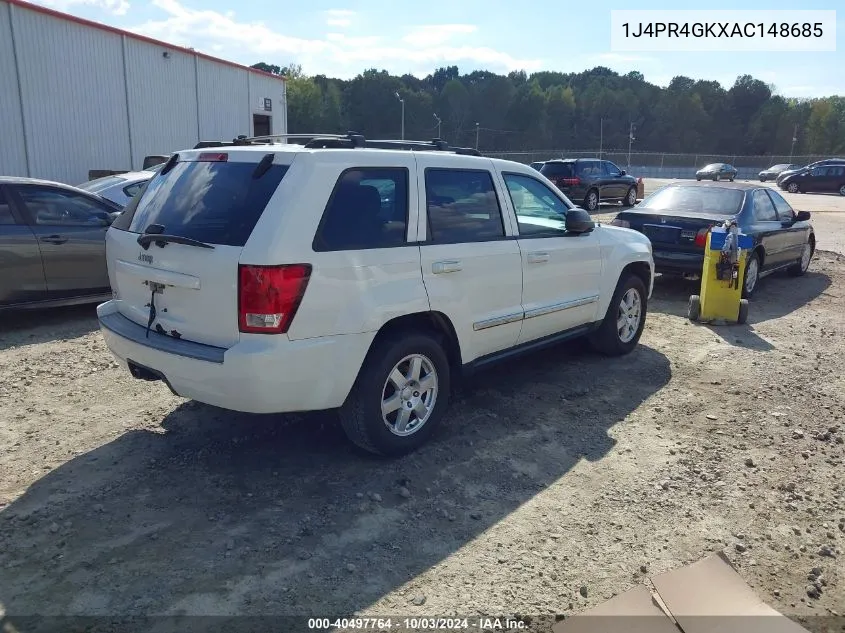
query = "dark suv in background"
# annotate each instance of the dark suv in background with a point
(588, 181)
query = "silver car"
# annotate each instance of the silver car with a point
(120, 188)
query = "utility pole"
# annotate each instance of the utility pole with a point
(477, 129)
(601, 136)
(630, 140)
(794, 138)
(439, 121)
(402, 101)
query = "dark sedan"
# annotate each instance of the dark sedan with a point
(775, 170)
(818, 179)
(717, 171)
(677, 218)
(52, 244)
(790, 172)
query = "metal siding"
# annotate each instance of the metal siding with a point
(12, 150)
(162, 100)
(261, 87)
(221, 101)
(74, 100)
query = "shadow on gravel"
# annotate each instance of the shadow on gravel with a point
(28, 327)
(226, 513)
(777, 295)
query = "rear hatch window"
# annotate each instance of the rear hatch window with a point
(557, 170)
(214, 201)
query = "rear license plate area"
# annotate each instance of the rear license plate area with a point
(662, 233)
(144, 373)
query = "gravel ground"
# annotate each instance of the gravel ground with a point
(555, 481)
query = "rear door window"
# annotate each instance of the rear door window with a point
(55, 207)
(462, 206)
(764, 210)
(367, 209)
(6, 216)
(213, 202)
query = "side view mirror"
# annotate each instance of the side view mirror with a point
(624, 173)
(802, 216)
(579, 221)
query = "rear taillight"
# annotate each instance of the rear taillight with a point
(569, 182)
(701, 237)
(268, 296)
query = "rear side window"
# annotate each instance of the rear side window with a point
(367, 209)
(462, 206)
(764, 210)
(213, 202)
(557, 170)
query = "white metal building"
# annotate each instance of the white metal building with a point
(76, 95)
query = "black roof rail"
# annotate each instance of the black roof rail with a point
(350, 140)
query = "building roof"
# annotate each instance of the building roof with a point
(143, 38)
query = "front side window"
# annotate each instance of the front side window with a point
(538, 210)
(54, 207)
(462, 206)
(6, 216)
(784, 211)
(367, 209)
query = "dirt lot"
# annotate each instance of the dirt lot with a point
(553, 481)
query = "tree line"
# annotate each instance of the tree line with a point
(552, 110)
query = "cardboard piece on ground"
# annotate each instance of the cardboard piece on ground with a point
(706, 597)
(635, 611)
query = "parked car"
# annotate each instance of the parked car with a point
(717, 171)
(775, 170)
(790, 172)
(120, 188)
(676, 218)
(275, 278)
(52, 244)
(591, 181)
(819, 179)
(538, 165)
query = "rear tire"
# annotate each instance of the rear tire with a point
(694, 308)
(620, 331)
(363, 416)
(591, 200)
(753, 264)
(716, 178)
(743, 311)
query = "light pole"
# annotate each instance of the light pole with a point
(601, 136)
(439, 121)
(402, 101)
(794, 138)
(477, 129)
(630, 140)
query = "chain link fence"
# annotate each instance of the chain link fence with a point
(661, 164)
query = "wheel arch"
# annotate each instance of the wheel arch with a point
(432, 322)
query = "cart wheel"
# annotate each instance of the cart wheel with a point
(743, 311)
(694, 308)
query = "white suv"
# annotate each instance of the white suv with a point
(358, 275)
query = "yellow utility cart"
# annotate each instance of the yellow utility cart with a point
(722, 277)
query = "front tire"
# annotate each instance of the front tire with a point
(793, 187)
(803, 263)
(624, 321)
(400, 395)
(694, 308)
(752, 276)
(716, 178)
(842, 190)
(630, 198)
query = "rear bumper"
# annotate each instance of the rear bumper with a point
(678, 262)
(259, 374)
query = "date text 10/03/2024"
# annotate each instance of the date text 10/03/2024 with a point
(724, 29)
(418, 624)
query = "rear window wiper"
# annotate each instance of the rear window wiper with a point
(162, 239)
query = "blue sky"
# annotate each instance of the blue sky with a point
(341, 38)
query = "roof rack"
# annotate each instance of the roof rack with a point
(350, 140)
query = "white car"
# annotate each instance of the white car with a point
(120, 188)
(343, 274)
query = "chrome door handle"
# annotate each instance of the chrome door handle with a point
(54, 239)
(450, 266)
(538, 258)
